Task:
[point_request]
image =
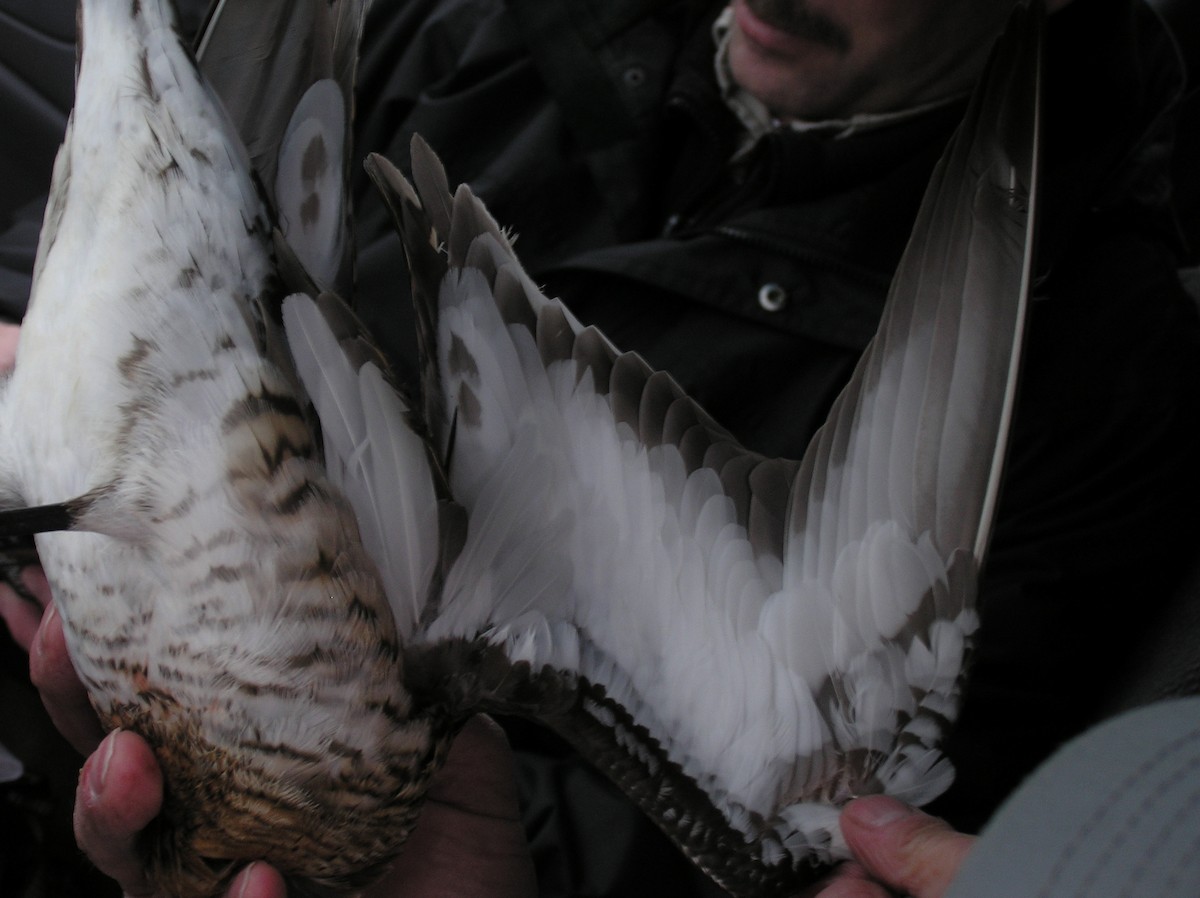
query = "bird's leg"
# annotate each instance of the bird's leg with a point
(19, 522)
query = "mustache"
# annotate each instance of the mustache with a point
(795, 18)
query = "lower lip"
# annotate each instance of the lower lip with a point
(766, 37)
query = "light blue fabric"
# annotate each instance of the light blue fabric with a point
(1114, 814)
(11, 768)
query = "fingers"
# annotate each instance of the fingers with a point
(33, 578)
(63, 695)
(120, 786)
(469, 839)
(478, 773)
(849, 881)
(20, 616)
(120, 792)
(908, 851)
(40, 633)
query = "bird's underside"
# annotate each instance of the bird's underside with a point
(215, 595)
(552, 529)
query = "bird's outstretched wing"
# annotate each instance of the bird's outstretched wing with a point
(742, 643)
(294, 113)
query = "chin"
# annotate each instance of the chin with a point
(791, 87)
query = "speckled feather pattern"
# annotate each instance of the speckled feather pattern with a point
(220, 602)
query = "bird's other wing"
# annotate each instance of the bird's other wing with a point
(294, 114)
(741, 645)
(285, 72)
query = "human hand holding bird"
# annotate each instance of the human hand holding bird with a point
(469, 837)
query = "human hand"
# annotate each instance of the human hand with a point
(120, 764)
(897, 850)
(120, 792)
(468, 840)
(37, 628)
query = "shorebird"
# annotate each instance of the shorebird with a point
(299, 624)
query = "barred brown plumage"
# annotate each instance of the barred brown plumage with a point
(221, 600)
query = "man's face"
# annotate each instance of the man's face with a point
(815, 59)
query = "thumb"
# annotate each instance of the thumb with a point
(120, 792)
(903, 848)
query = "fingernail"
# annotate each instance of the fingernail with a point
(243, 881)
(99, 771)
(48, 616)
(877, 811)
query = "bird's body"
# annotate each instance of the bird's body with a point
(742, 643)
(217, 598)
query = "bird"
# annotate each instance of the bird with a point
(296, 582)
(742, 643)
(212, 586)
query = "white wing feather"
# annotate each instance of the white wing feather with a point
(373, 456)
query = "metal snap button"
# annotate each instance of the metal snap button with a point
(772, 297)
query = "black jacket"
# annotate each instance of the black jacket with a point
(593, 129)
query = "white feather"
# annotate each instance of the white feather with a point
(308, 183)
(330, 382)
(375, 458)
